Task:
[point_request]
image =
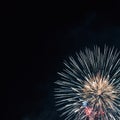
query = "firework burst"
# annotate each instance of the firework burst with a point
(89, 86)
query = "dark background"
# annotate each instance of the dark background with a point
(40, 48)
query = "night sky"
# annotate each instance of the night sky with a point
(41, 47)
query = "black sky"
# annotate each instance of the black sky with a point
(40, 48)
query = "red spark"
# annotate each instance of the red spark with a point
(88, 111)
